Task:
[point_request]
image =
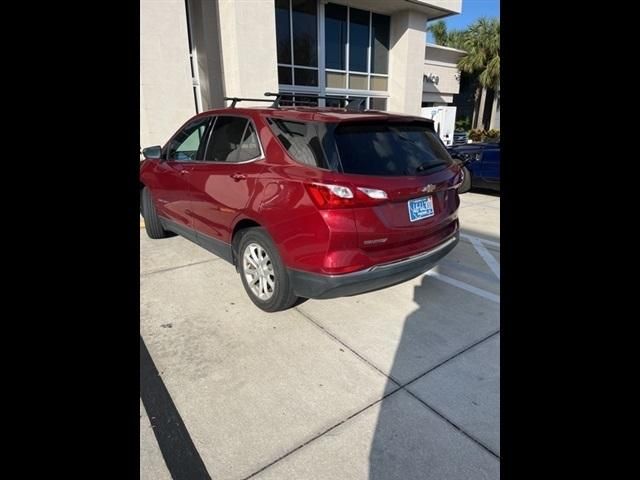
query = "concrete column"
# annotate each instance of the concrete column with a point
(249, 53)
(495, 110)
(166, 91)
(480, 118)
(406, 61)
(205, 35)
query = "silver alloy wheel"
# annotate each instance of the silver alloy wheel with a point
(258, 271)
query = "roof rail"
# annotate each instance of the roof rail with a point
(235, 100)
(353, 104)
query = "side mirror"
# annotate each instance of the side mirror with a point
(154, 152)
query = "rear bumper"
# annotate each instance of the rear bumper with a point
(314, 285)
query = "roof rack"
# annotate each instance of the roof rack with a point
(235, 100)
(353, 104)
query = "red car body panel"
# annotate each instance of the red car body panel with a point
(211, 198)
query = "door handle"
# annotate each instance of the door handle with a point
(184, 172)
(238, 176)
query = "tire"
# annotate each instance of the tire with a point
(466, 183)
(151, 221)
(277, 294)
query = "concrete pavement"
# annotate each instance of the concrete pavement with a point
(400, 383)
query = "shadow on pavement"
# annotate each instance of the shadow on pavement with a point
(415, 440)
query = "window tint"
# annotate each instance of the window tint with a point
(358, 39)
(376, 103)
(283, 31)
(390, 149)
(249, 148)
(305, 32)
(225, 139)
(380, 43)
(335, 36)
(185, 145)
(300, 140)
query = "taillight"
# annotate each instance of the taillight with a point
(327, 196)
(374, 193)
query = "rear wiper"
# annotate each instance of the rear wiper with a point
(424, 167)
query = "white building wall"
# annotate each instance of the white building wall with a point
(166, 92)
(249, 55)
(405, 61)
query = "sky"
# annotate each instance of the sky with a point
(471, 10)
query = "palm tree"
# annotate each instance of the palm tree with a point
(439, 32)
(482, 44)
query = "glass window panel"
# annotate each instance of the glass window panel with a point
(358, 39)
(300, 140)
(378, 103)
(336, 80)
(305, 32)
(225, 139)
(249, 148)
(306, 77)
(358, 82)
(335, 36)
(284, 75)
(379, 83)
(384, 148)
(185, 145)
(380, 43)
(283, 32)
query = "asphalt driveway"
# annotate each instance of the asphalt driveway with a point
(402, 383)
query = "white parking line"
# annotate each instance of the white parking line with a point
(465, 286)
(484, 253)
(483, 240)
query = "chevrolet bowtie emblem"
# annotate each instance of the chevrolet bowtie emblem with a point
(429, 188)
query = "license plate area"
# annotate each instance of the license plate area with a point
(420, 208)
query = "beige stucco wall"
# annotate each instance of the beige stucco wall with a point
(437, 98)
(166, 94)
(447, 82)
(453, 5)
(248, 37)
(405, 71)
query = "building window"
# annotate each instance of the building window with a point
(357, 54)
(352, 62)
(297, 38)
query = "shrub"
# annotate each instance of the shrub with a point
(476, 134)
(464, 124)
(493, 133)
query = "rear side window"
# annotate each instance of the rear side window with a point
(390, 149)
(249, 148)
(232, 139)
(301, 140)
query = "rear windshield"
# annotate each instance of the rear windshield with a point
(390, 149)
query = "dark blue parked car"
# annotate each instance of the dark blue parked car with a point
(482, 168)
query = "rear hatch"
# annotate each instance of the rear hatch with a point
(407, 161)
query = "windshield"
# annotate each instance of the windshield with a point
(390, 148)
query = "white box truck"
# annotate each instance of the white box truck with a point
(444, 121)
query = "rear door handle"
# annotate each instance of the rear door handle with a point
(184, 172)
(238, 176)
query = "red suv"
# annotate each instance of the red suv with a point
(306, 202)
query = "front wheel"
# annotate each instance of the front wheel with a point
(151, 220)
(262, 272)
